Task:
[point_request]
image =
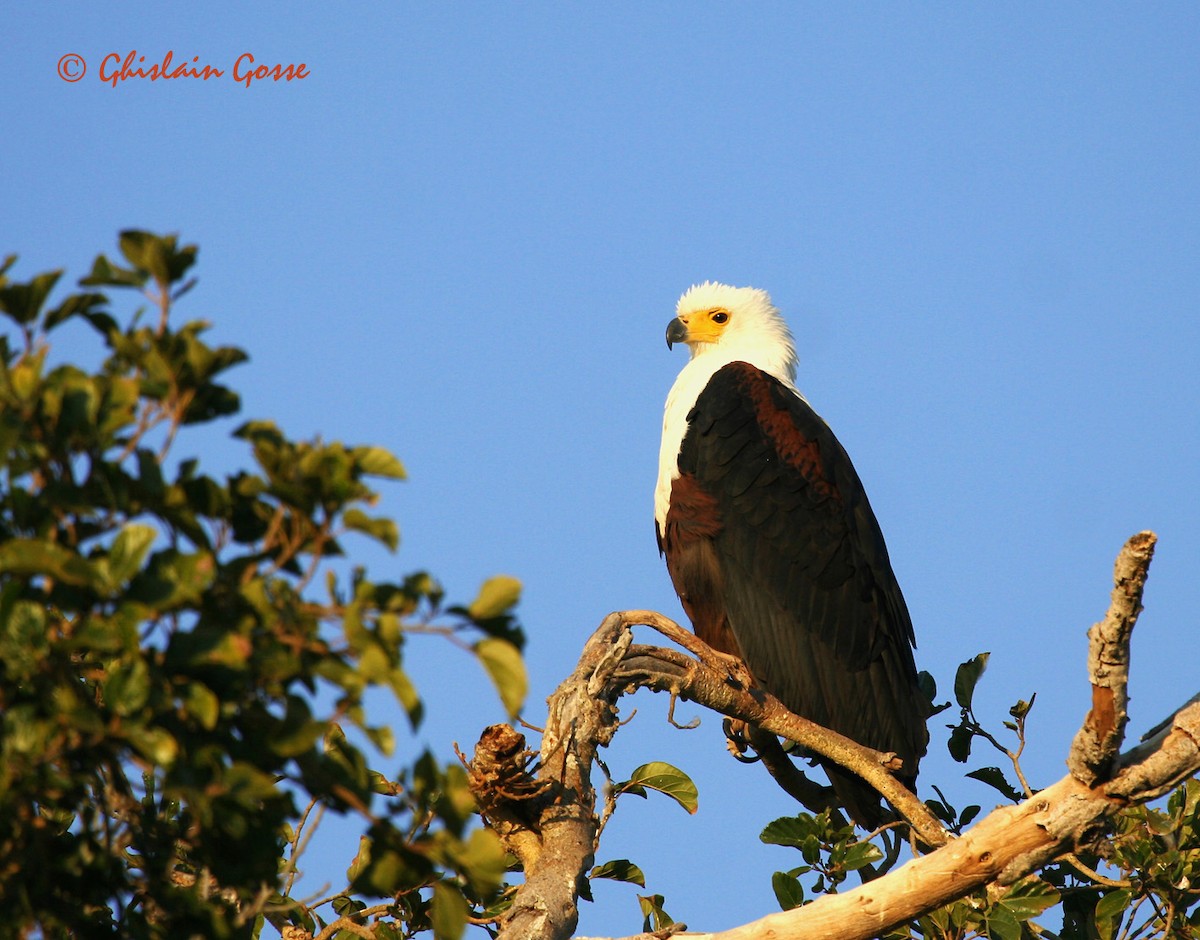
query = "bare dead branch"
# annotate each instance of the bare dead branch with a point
(710, 683)
(582, 717)
(789, 777)
(1010, 843)
(1099, 740)
(1162, 762)
(550, 823)
(1005, 846)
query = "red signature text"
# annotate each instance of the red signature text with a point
(114, 69)
(245, 71)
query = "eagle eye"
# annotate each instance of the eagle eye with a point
(720, 316)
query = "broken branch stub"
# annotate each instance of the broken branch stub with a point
(1098, 741)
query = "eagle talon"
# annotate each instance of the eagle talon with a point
(737, 740)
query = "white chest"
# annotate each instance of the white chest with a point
(680, 400)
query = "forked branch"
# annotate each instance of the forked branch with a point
(556, 841)
(708, 681)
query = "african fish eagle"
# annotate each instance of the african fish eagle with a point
(771, 543)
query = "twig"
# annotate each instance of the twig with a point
(349, 922)
(791, 779)
(300, 841)
(1088, 872)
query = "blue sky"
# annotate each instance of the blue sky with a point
(462, 237)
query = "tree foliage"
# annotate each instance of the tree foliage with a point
(185, 658)
(182, 674)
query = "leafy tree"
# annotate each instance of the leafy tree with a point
(185, 657)
(175, 687)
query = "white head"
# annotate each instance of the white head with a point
(720, 324)
(724, 324)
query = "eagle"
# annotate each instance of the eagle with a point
(770, 542)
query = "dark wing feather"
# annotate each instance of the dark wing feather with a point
(804, 573)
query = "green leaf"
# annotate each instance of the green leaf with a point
(155, 744)
(967, 676)
(497, 596)
(788, 890)
(145, 252)
(448, 913)
(503, 663)
(25, 379)
(127, 687)
(375, 663)
(33, 556)
(157, 255)
(379, 462)
(128, 552)
(1002, 924)
(78, 305)
(23, 302)
(1030, 897)
(793, 831)
(1021, 709)
(654, 915)
(382, 737)
(204, 706)
(172, 580)
(927, 684)
(860, 855)
(667, 779)
(360, 864)
(406, 694)
(343, 905)
(941, 810)
(994, 778)
(483, 861)
(457, 804)
(106, 274)
(381, 529)
(959, 744)
(620, 869)
(1110, 910)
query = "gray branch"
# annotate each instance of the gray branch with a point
(549, 821)
(582, 718)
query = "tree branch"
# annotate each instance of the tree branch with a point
(1098, 742)
(711, 684)
(550, 822)
(1007, 845)
(582, 718)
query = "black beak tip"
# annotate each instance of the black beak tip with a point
(676, 332)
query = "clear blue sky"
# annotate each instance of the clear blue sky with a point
(462, 237)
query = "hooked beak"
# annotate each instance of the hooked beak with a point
(677, 332)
